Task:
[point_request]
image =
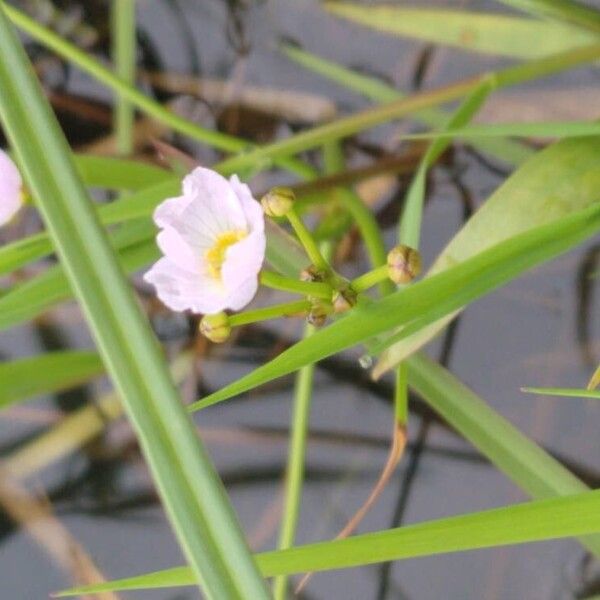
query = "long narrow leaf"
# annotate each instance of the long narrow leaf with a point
(534, 521)
(509, 151)
(192, 493)
(426, 300)
(519, 458)
(51, 372)
(564, 11)
(554, 182)
(487, 33)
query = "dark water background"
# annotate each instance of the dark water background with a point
(528, 333)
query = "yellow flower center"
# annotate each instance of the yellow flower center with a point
(215, 256)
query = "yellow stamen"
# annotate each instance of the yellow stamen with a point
(215, 256)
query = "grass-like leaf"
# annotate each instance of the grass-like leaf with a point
(518, 457)
(534, 521)
(427, 300)
(487, 33)
(564, 11)
(566, 392)
(191, 491)
(51, 372)
(509, 151)
(561, 178)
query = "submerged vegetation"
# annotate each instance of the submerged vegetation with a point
(278, 224)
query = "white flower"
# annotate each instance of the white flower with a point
(11, 186)
(213, 241)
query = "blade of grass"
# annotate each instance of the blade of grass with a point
(509, 151)
(123, 42)
(487, 33)
(566, 392)
(522, 523)
(557, 180)
(371, 117)
(191, 491)
(426, 300)
(548, 129)
(564, 11)
(76, 430)
(52, 372)
(118, 173)
(92, 67)
(410, 223)
(519, 458)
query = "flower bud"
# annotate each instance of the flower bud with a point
(404, 264)
(319, 311)
(215, 327)
(343, 300)
(278, 202)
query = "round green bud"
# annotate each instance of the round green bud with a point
(278, 202)
(215, 327)
(404, 264)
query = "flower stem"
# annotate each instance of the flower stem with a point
(308, 288)
(370, 278)
(123, 51)
(286, 309)
(294, 476)
(306, 239)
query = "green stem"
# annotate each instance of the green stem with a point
(285, 309)
(370, 278)
(365, 221)
(93, 68)
(294, 477)
(286, 284)
(306, 239)
(505, 149)
(394, 110)
(123, 51)
(401, 395)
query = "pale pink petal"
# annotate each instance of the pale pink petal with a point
(243, 262)
(192, 224)
(10, 188)
(214, 208)
(252, 209)
(176, 249)
(181, 290)
(168, 212)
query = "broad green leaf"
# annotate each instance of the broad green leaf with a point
(509, 151)
(566, 392)
(522, 523)
(427, 300)
(118, 173)
(556, 181)
(51, 372)
(518, 457)
(138, 205)
(32, 298)
(488, 33)
(564, 11)
(194, 498)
